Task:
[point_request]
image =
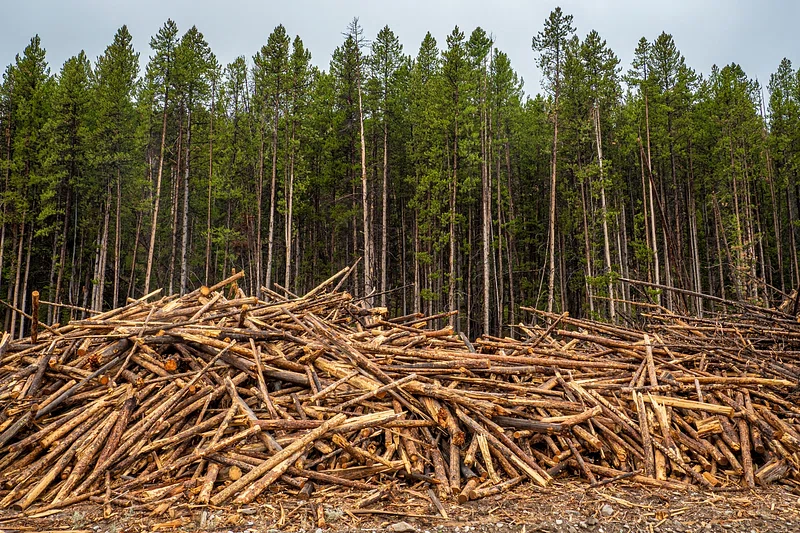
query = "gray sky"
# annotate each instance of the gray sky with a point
(755, 34)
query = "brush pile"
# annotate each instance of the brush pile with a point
(215, 398)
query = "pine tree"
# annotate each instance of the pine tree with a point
(272, 64)
(550, 44)
(301, 77)
(115, 85)
(600, 66)
(193, 68)
(160, 74)
(28, 183)
(455, 71)
(429, 179)
(386, 58)
(70, 163)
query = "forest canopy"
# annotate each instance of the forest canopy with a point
(451, 187)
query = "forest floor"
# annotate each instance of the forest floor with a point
(566, 507)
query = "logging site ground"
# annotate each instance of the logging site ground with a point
(566, 508)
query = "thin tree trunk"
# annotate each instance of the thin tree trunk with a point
(3, 240)
(62, 254)
(117, 230)
(645, 214)
(185, 225)
(500, 267)
(511, 216)
(551, 281)
(470, 262)
(417, 280)
(695, 252)
(622, 249)
(157, 197)
(652, 204)
(259, 207)
(587, 248)
(25, 283)
(289, 214)
(103, 257)
(17, 275)
(174, 210)
(606, 244)
(384, 213)
(451, 294)
(5, 206)
(403, 256)
(131, 283)
(792, 237)
(210, 182)
(368, 267)
(562, 280)
(271, 235)
(486, 199)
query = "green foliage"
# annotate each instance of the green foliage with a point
(723, 172)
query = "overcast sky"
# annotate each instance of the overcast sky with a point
(755, 34)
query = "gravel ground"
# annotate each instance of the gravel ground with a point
(567, 507)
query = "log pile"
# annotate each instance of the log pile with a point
(215, 398)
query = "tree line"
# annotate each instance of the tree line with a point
(450, 187)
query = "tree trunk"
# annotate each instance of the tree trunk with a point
(652, 204)
(486, 199)
(416, 307)
(62, 254)
(368, 268)
(271, 235)
(100, 275)
(132, 282)
(174, 210)
(259, 208)
(606, 245)
(469, 313)
(25, 283)
(695, 252)
(451, 294)
(157, 196)
(587, 248)
(289, 207)
(510, 245)
(117, 230)
(17, 275)
(384, 213)
(792, 237)
(500, 267)
(551, 281)
(210, 182)
(185, 225)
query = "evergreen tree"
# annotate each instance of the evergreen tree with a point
(29, 187)
(550, 44)
(71, 162)
(193, 70)
(160, 79)
(114, 141)
(271, 80)
(386, 58)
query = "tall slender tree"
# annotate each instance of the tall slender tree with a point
(386, 58)
(115, 82)
(160, 73)
(550, 44)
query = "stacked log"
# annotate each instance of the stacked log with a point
(217, 398)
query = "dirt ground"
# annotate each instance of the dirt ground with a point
(566, 507)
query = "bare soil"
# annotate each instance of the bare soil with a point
(566, 507)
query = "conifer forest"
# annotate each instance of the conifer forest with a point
(449, 186)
